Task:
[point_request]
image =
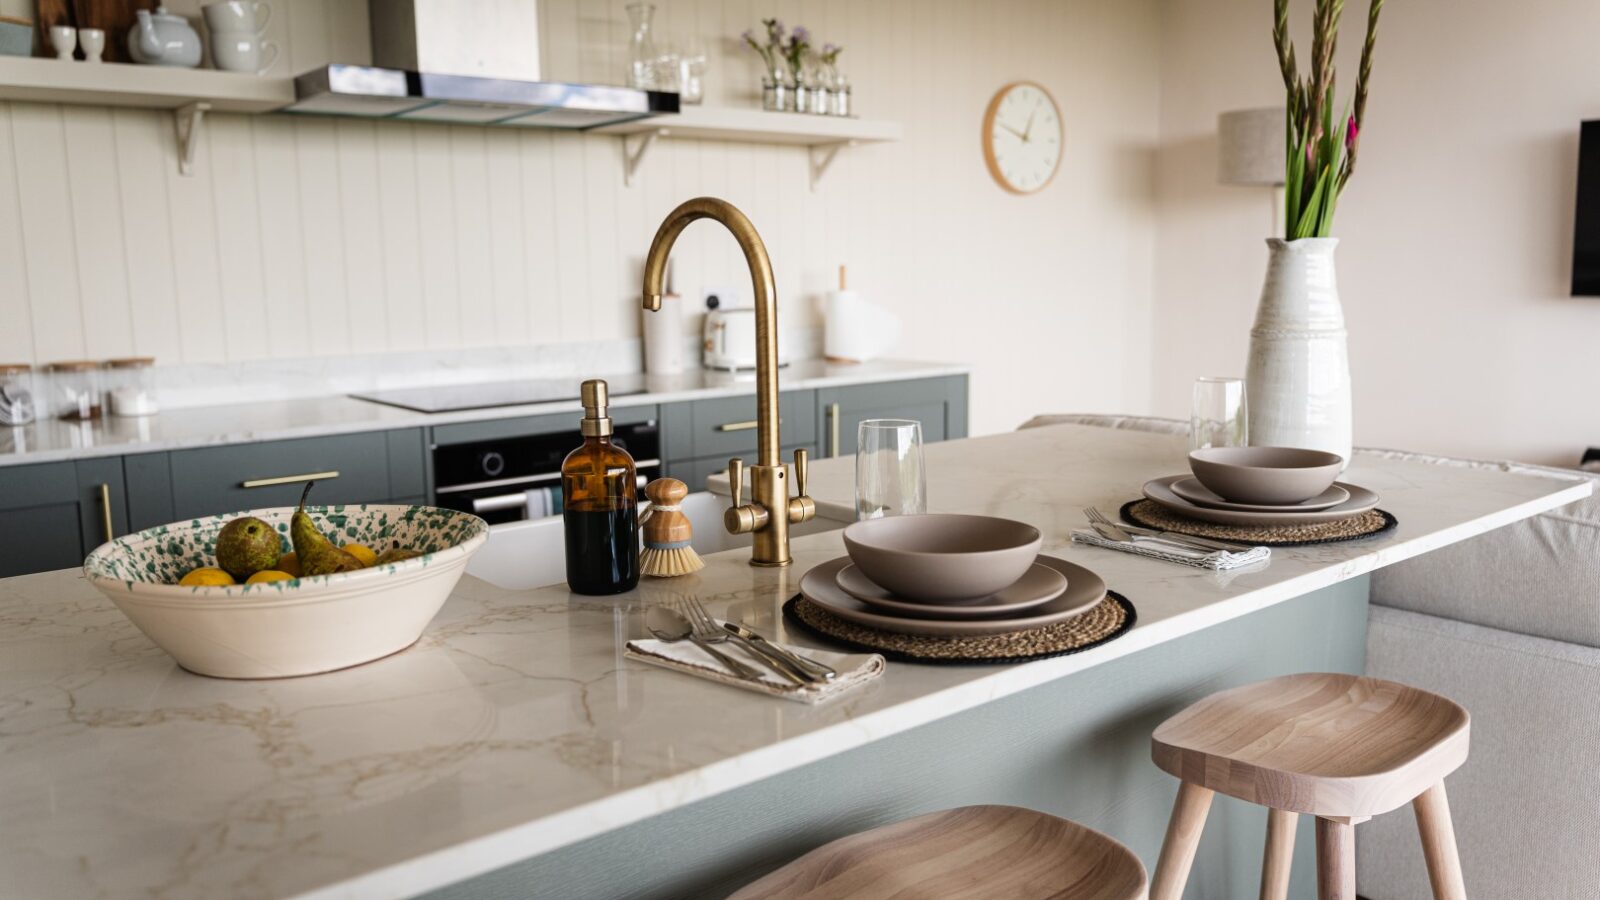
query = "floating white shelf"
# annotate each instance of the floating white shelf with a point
(148, 87)
(824, 135)
(189, 93)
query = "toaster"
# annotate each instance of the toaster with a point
(730, 340)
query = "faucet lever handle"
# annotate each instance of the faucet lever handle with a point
(801, 456)
(736, 480)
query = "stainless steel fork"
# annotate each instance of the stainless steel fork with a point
(1102, 523)
(706, 629)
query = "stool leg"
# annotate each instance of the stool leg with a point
(1183, 838)
(1280, 853)
(1336, 860)
(1439, 844)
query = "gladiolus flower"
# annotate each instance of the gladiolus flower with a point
(1351, 132)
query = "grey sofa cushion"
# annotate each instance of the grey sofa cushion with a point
(1538, 577)
(1524, 803)
(1135, 423)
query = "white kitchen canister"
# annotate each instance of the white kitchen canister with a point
(1298, 378)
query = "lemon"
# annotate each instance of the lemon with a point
(362, 553)
(289, 563)
(268, 575)
(207, 577)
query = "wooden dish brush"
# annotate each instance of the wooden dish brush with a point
(667, 531)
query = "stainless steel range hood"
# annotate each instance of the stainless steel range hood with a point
(468, 62)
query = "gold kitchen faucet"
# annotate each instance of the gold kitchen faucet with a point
(771, 510)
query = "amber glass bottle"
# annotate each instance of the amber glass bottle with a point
(600, 505)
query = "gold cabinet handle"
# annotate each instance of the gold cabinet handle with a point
(833, 429)
(105, 511)
(289, 479)
(741, 426)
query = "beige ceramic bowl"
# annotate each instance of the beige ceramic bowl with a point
(942, 557)
(1265, 475)
(299, 627)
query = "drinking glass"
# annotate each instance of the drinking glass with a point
(889, 474)
(1219, 416)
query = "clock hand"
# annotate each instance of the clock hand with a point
(1029, 129)
(1012, 130)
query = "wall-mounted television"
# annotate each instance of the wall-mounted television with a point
(1586, 234)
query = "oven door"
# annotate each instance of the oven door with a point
(527, 497)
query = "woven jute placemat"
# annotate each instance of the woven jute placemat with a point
(1109, 620)
(1153, 515)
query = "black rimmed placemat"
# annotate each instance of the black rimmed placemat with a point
(1105, 622)
(1149, 514)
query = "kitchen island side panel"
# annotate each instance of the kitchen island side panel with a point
(1077, 747)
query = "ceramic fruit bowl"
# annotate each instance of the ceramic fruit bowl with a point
(1265, 475)
(940, 557)
(298, 627)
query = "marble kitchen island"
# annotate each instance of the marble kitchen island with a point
(514, 752)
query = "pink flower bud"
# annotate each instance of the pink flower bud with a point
(1351, 132)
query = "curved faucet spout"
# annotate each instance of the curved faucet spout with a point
(766, 298)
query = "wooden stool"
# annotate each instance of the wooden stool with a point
(1338, 747)
(969, 852)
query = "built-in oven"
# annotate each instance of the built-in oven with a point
(512, 479)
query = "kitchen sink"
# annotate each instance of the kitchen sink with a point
(530, 554)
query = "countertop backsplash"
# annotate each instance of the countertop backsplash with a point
(221, 384)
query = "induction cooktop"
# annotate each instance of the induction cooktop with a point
(485, 395)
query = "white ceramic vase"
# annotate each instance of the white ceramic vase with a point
(1298, 379)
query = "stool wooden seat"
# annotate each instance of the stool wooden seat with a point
(969, 852)
(1339, 747)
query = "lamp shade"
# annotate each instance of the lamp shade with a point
(1250, 146)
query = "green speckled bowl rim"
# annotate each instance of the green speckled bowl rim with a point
(311, 588)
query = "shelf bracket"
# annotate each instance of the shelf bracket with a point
(186, 119)
(634, 148)
(822, 156)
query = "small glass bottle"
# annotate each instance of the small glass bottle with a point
(600, 504)
(642, 47)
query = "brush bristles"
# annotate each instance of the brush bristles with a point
(669, 563)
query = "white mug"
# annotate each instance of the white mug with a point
(239, 51)
(64, 38)
(237, 15)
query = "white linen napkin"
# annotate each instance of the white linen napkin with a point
(854, 669)
(1156, 548)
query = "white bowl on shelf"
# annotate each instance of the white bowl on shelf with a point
(283, 628)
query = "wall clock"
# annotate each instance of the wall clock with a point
(1022, 137)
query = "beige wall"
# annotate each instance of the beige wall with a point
(1456, 231)
(331, 237)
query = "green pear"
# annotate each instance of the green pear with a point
(396, 554)
(247, 545)
(317, 554)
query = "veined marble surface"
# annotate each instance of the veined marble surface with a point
(241, 423)
(515, 726)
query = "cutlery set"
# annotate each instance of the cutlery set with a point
(692, 623)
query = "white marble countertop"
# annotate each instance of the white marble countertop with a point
(515, 726)
(175, 429)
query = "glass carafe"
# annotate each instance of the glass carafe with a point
(642, 49)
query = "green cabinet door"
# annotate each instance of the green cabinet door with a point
(53, 514)
(940, 404)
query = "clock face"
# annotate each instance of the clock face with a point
(1022, 137)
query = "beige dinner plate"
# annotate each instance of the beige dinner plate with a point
(1039, 585)
(1084, 590)
(1160, 491)
(1193, 491)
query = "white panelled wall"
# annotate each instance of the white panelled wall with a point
(315, 237)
